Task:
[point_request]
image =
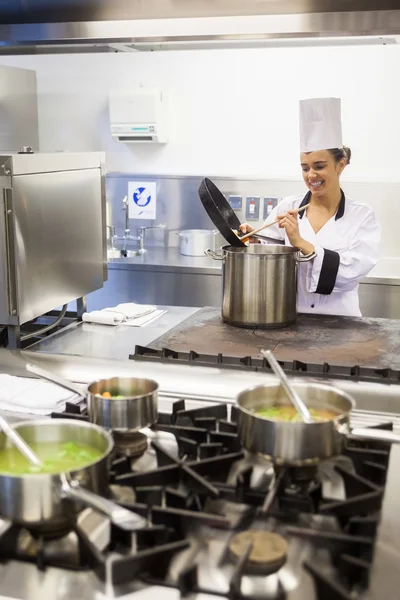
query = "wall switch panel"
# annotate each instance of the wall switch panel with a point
(269, 205)
(236, 202)
(252, 208)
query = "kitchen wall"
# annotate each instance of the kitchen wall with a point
(231, 113)
(179, 207)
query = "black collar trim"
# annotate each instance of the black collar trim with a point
(340, 210)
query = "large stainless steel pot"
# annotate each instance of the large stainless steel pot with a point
(50, 501)
(136, 410)
(259, 285)
(300, 443)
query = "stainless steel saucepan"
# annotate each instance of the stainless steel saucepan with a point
(138, 407)
(300, 443)
(49, 501)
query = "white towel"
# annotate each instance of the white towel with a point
(105, 317)
(123, 313)
(130, 310)
(33, 396)
(140, 321)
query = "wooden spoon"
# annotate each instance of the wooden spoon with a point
(245, 237)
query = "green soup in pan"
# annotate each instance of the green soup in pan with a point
(57, 457)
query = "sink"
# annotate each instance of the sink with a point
(131, 253)
(115, 253)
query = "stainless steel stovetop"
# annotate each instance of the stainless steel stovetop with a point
(201, 562)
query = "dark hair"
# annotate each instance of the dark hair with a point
(340, 153)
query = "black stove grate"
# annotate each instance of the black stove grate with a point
(194, 489)
(249, 363)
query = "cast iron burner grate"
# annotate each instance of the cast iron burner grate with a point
(249, 363)
(192, 489)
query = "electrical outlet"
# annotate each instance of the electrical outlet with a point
(269, 205)
(236, 202)
(252, 208)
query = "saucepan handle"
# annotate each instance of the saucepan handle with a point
(306, 258)
(212, 254)
(380, 435)
(120, 516)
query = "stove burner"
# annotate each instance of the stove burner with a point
(130, 444)
(267, 555)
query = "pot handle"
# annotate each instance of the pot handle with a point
(67, 385)
(212, 254)
(380, 435)
(122, 517)
(306, 258)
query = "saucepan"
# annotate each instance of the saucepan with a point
(298, 443)
(49, 501)
(132, 403)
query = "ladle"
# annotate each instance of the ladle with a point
(20, 443)
(293, 396)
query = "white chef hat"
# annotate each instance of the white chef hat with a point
(320, 124)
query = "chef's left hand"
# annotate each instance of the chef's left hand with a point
(290, 222)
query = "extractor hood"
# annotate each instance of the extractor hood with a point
(49, 26)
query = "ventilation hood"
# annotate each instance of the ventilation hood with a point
(51, 26)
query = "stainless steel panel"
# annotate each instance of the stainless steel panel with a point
(380, 300)
(155, 287)
(28, 164)
(24, 11)
(99, 23)
(4, 307)
(59, 244)
(18, 109)
(11, 283)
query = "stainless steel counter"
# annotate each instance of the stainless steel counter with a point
(104, 341)
(167, 260)
(386, 272)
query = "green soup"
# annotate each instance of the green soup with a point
(56, 457)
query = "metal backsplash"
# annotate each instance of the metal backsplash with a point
(179, 206)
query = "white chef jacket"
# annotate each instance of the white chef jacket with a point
(347, 248)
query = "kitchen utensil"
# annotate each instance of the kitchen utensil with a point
(259, 285)
(290, 391)
(222, 215)
(247, 236)
(137, 409)
(46, 500)
(194, 242)
(17, 440)
(300, 443)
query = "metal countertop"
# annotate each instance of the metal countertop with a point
(386, 272)
(106, 341)
(167, 260)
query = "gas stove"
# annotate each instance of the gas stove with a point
(221, 523)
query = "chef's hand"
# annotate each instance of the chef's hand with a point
(246, 228)
(290, 222)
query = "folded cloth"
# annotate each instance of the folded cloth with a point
(141, 321)
(103, 317)
(130, 310)
(116, 315)
(33, 396)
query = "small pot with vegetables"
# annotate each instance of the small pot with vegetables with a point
(269, 425)
(124, 404)
(75, 457)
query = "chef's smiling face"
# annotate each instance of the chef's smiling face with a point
(321, 172)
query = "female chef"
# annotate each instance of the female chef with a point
(342, 235)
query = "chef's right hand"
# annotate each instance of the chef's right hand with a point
(246, 228)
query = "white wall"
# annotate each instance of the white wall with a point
(231, 112)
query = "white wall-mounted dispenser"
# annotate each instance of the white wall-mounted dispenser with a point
(138, 115)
